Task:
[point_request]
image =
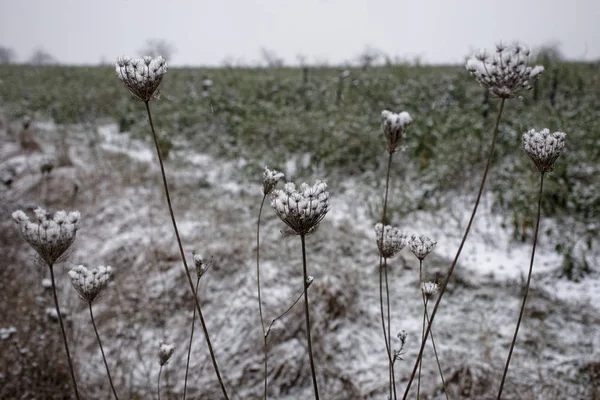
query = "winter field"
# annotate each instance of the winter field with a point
(312, 123)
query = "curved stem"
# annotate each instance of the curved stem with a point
(284, 313)
(382, 313)
(158, 384)
(460, 247)
(64, 335)
(535, 236)
(307, 316)
(187, 365)
(187, 270)
(262, 320)
(437, 359)
(112, 386)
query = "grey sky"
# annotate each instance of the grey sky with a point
(207, 32)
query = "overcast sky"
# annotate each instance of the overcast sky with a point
(207, 32)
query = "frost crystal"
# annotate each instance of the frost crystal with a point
(270, 179)
(506, 73)
(394, 128)
(88, 283)
(429, 288)
(543, 148)
(421, 246)
(142, 76)
(49, 237)
(165, 351)
(390, 240)
(302, 210)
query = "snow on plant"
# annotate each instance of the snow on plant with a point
(270, 179)
(506, 73)
(142, 76)
(394, 128)
(165, 351)
(50, 237)
(429, 289)
(543, 148)
(421, 246)
(90, 283)
(390, 240)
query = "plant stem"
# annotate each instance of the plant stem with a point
(437, 359)
(389, 335)
(386, 335)
(460, 247)
(112, 386)
(158, 384)
(187, 365)
(64, 335)
(535, 236)
(307, 317)
(421, 360)
(284, 313)
(187, 270)
(262, 320)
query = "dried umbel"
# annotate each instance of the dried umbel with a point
(429, 288)
(270, 179)
(506, 73)
(543, 148)
(394, 128)
(89, 284)
(142, 76)
(303, 209)
(402, 335)
(390, 240)
(165, 351)
(421, 246)
(50, 237)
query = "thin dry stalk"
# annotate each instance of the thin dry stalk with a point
(262, 320)
(112, 386)
(187, 365)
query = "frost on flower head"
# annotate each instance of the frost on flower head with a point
(270, 179)
(165, 351)
(394, 128)
(421, 246)
(141, 76)
(303, 209)
(88, 283)
(506, 73)
(49, 236)
(390, 240)
(429, 288)
(543, 148)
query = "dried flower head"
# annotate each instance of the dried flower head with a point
(49, 237)
(270, 179)
(394, 128)
(390, 240)
(142, 76)
(302, 210)
(88, 283)
(165, 351)
(421, 246)
(506, 73)
(429, 288)
(399, 353)
(543, 148)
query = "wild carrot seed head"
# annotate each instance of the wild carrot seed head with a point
(390, 240)
(90, 283)
(141, 76)
(543, 148)
(302, 210)
(421, 246)
(270, 179)
(165, 351)
(394, 128)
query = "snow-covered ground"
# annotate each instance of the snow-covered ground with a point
(125, 224)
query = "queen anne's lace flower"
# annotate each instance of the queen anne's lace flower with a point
(390, 240)
(88, 283)
(543, 148)
(270, 179)
(506, 73)
(302, 210)
(142, 76)
(394, 128)
(165, 351)
(421, 246)
(50, 237)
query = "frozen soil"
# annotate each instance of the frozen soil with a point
(115, 183)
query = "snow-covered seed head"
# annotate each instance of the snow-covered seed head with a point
(303, 209)
(309, 280)
(429, 288)
(390, 240)
(141, 76)
(543, 148)
(89, 284)
(421, 246)
(199, 264)
(506, 73)
(394, 128)
(50, 237)
(270, 179)
(402, 336)
(165, 351)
